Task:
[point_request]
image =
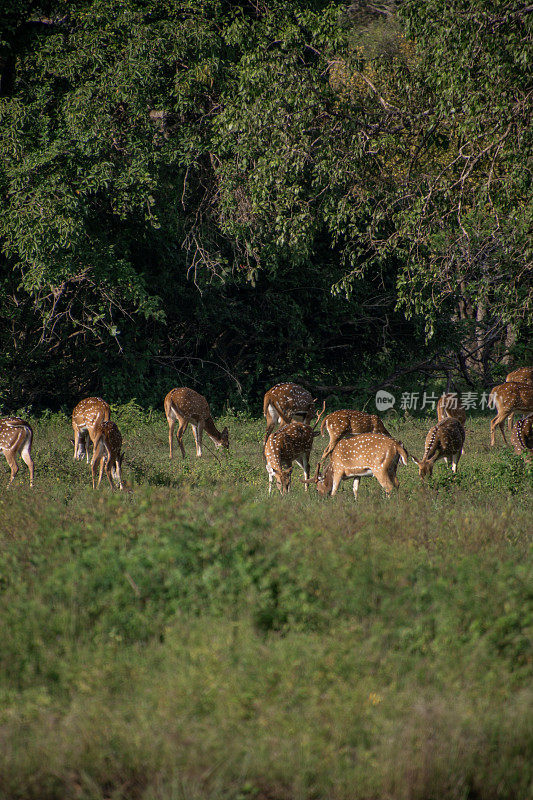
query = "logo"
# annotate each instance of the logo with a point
(384, 400)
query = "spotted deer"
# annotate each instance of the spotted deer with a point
(107, 452)
(287, 402)
(520, 375)
(360, 456)
(522, 436)
(16, 436)
(348, 422)
(186, 406)
(508, 398)
(86, 417)
(449, 405)
(291, 442)
(444, 440)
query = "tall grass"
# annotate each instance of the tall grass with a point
(195, 638)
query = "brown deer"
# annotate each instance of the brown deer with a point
(348, 422)
(107, 452)
(449, 405)
(287, 402)
(187, 406)
(520, 375)
(508, 398)
(86, 417)
(16, 436)
(444, 440)
(359, 456)
(522, 436)
(291, 442)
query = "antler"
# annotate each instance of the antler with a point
(315, 477)
(319, 415)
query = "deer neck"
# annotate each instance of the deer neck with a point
(212, 431)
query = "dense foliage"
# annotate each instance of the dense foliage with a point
(224, 194)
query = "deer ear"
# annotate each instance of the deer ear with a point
(415, 459)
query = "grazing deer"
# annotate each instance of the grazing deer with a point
(359, 456)
(520, 375)
(185, 405)
(287, 402)
(343, 423)
(449, 405)
(444, 440)
(107, 451)
(16, 436)
(522, 436)
(86, 417)
(508, 398)
(291, 442)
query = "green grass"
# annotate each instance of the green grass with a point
(195, 638)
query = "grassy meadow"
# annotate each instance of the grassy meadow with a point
(194, 638)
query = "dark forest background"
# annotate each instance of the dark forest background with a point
(223, 195)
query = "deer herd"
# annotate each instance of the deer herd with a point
(359, 444)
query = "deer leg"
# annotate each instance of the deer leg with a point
(455, 461)
(384, 479)
(171, 425)
(76, 442)
(356, 483)
(303, 462)
(85, 436)
(336, 483)
(197, 433)
(181, 430)
(497, 422)
(270, 482)
(510, 421)
(26, 457)
(108, 473)
(11, 460)
(117, 473)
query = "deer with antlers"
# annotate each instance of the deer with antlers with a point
(508, 398)
(107, 452)
(16, 436)
(186, 406)
(444, 440)
(449, 405)
(520, 375)
(287, 402)
(359, 456)
(348, 422)
(522, 436)
(291, 442)
(86, 417)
